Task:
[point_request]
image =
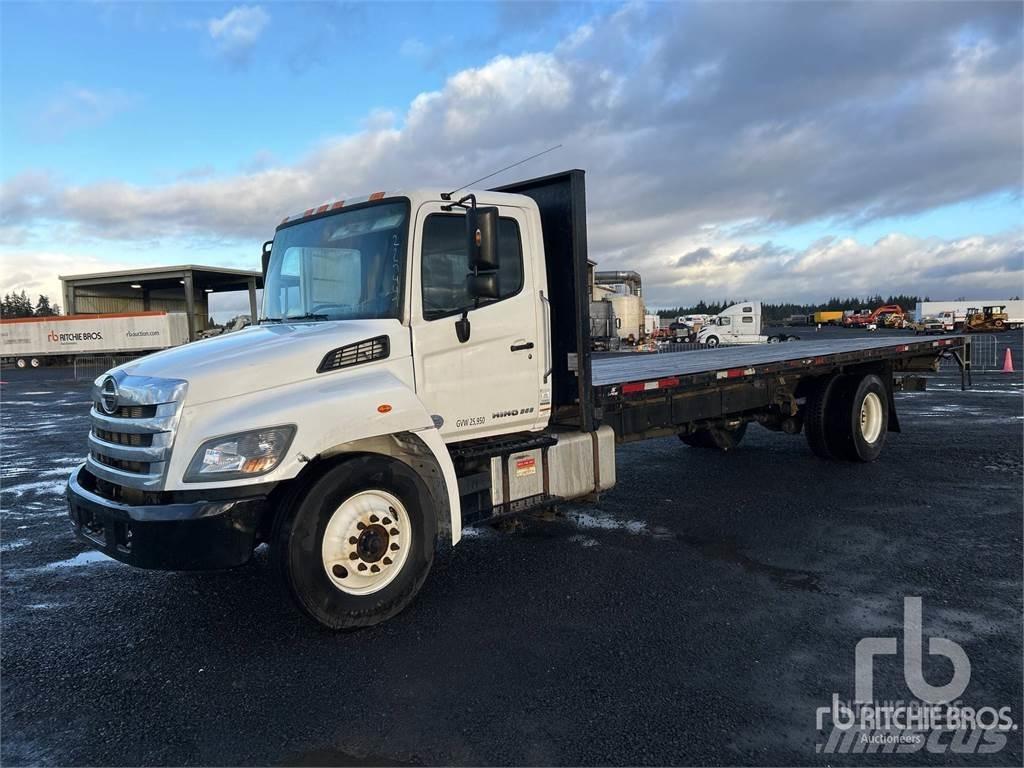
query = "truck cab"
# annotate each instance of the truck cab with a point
(738, 324)
(400, 334)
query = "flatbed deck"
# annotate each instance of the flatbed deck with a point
(622, 369)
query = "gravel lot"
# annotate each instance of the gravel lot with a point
(699, 614)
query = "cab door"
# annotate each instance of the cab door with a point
(488, 384)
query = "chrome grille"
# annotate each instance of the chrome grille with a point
(133, 424)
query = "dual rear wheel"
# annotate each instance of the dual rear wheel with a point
(847, 417)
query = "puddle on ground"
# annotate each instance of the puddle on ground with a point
(728, 551)
(90, 557)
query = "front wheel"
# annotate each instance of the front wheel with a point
(711, 341)
(357, 545)
(34, 362)
(22, 362)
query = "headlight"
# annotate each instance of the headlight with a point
(246, 454)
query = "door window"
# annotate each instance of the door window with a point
(445, 265)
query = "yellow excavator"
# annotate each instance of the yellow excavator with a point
(986, 320)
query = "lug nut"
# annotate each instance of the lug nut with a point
(386, 521)
(353, 540)
(394, 547)
(360, 525)
(374, 519)
(362, 566)
(393, 531)
(387, 561)
(374, 569)
(353, 556)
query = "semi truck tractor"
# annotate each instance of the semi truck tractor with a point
(30, 342)
(422, 364)
(738, 324)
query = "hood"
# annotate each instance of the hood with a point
(263, 356)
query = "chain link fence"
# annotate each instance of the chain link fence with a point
(88, 367)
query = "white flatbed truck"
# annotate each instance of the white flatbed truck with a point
(423, 364)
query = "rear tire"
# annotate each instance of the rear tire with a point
(716, 439)
(816, 417)
(356, 546)
(22, 362)
(34, 362)
(861, 419)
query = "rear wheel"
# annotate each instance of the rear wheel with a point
(356, 547)
(34, 362)
(817, 409)
(716, 438)
(22, 362)
(861, 419)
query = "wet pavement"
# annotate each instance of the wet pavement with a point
(700, 613)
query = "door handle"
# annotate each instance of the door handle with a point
(521, 347)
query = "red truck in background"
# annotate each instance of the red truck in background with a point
(890, 315)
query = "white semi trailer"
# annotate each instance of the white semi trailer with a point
(422, 364)
(29, 342)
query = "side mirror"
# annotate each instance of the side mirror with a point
(482, 238)
(266, 256)
(482, 286)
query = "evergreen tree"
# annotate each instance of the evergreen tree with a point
(43, 308)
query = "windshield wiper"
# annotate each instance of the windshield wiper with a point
(307, 316)
(271, 320)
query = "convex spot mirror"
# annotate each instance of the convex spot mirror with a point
(482, 286)
(482, 239)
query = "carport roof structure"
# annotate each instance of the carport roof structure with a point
(192, 279)
(218, 278)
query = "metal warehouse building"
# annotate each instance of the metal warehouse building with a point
(184, 288)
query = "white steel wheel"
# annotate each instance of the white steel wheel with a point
(34, 362)
(871, 417)
(366, 542)
(21, 362)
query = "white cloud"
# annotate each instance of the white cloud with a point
(36, 272)
(75, 107)
(689, 120)
(236, 33)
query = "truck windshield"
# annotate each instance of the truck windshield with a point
(346, 266)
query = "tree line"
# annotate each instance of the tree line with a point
(777, 312)
(20, 305)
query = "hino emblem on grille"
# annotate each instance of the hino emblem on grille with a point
(108, 395)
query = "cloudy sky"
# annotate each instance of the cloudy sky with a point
(786, 151)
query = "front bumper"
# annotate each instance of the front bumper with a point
(197, 535)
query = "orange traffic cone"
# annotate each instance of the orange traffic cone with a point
(1008, 362)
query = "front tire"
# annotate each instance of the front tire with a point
(711, 341)
(354, 549)
(22, 362)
